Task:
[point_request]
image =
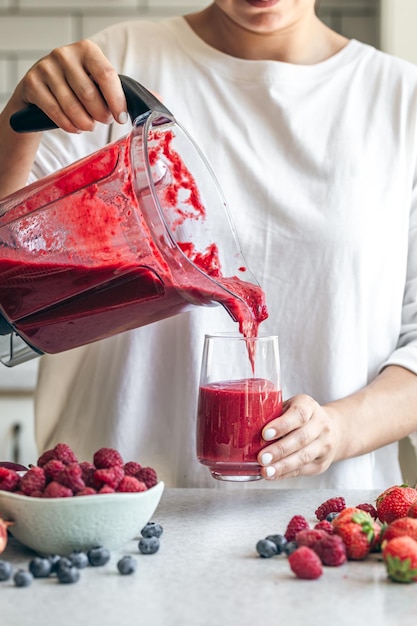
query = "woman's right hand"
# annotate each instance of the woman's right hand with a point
(75, 85)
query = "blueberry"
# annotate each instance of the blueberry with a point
(54, 559)
(331, 516)
(22, 578)
(127, 565)
(68, 575)
(5, 570)
(279, 541)
(40, 567)
(152, 529)
(148, 545)
(266, 548)
(290, 547)
(61, 563)
(78, 559)
(98, 556)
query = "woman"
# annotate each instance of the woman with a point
(313, 140)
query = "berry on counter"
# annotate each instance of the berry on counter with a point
(309, 537)
(22, 578)
(296, 523)
(395, 502)
(148, 545)
(412, 511)
(325, 525)
(78, 559)
(127, 565)
(400, 558)
(403, 526)
(266, 548)
(152, 529)
(331, 550)
(305, 563)
(332, 505)
(68, 575)
(279, 541)
(369, 508)
(98, 556)
(40, 567)
(290, 547)
(6, 570)
(331, 516)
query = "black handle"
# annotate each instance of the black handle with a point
(5, 328)
(139, 102)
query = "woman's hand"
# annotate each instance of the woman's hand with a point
(75, 85)
(302, 441)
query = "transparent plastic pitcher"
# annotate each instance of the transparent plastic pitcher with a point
(137, 232)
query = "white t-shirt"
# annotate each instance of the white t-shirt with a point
(318, 166)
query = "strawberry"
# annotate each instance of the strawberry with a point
(359, 535)
(412, 511)
(345, 516)
(400, 558)
(305, 563)
(394, 502)
(403, 526)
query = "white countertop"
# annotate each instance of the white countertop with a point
(207, 573)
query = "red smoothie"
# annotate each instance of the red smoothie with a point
(231, 415)
(78, 262)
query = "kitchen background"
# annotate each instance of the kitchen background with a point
(30, 28)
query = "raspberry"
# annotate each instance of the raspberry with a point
(325, 525)
(64, 453)
(369, 508)
(33, 480)
(132, 468)
(148, 476)
(110, 476)
(331, 550)
(87, 471)
(296, 523)
(52, 469)
(56, 490)
(48, 455)
(71, 477)
(309, 537)
(9, 479)
(106, 489)
(305, 563)
(107, 457)
(131, 484)
(332, 505)
(87, 491)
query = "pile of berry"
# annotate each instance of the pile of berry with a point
(344, 533)
(59, 474)
(66, 569)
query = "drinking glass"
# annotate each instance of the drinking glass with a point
(240, 392)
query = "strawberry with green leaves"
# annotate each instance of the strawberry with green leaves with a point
(400, 558)
(359, 532)
(395, 502)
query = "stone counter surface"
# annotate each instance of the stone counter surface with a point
(207, 573)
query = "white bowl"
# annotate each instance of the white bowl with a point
(61, 525)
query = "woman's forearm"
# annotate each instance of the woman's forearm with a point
(382, 412)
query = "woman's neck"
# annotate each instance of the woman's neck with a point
(304, 42)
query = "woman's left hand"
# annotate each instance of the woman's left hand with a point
(302, 441)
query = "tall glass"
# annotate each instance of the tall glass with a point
(240, 392)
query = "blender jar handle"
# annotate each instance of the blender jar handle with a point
(139, 100)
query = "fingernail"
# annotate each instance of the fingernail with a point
(122, 119)
(266, 458)
(270, 433)
(270, 471)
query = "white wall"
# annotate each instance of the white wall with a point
(399, 28)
